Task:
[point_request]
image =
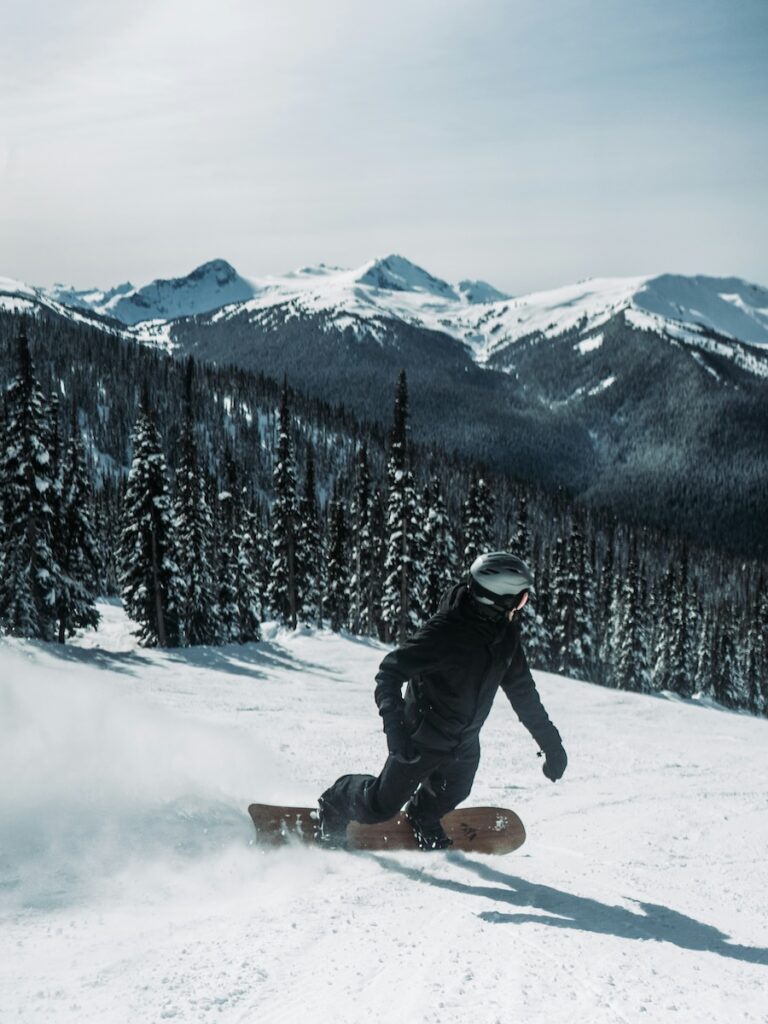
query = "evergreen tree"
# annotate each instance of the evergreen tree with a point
(378, 558)
(477, 521)
(756, 662)
(250, 553)
(31, 575)
(571, 597)
(149, 574)
(665, 624)
(309, 549)
(363, 614)
(728, 682)
(520, 538)
(198, 610)
(281, 593)
(440, 559)
(630, 661)
(228, 516)
(337, 595)
(79, 555)
(240, 551)
(539, 618)
(604, 611)
(679, 661)
(558, 600)
(705, 642)
(584, 597)
(401, 605)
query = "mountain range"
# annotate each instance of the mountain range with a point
(647, 394)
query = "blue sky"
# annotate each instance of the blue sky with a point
(530, 144)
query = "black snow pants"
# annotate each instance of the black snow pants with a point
(436, 783)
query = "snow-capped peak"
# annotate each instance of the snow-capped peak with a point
(480, 291)
(208, 287)
(395, 273)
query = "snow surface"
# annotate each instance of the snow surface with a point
(589, 344)
(131, 890)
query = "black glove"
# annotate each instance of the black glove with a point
(399, 743)
(555, 762)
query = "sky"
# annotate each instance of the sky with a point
(530, 144)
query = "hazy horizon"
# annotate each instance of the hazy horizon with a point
(529, 145)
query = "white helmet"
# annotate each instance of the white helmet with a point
(499, 579)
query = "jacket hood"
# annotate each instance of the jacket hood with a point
(452, 597)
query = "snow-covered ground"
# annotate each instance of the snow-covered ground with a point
(131, 891)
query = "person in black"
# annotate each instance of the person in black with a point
(453, 667)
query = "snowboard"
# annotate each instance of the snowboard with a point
(472, 829)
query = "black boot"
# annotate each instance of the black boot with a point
(331, 826)
(430, 835)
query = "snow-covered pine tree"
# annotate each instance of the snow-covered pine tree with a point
(149, 573)
(584, 603)
(264, 544)
(362, 617)
(440, 557)
(281, 593)
(378, 561)
(309, 549)
(198, 610)
(78, 550)
(477, 521)
(704, 663)
(535, 632)
(337, 572)
(571, 638)
(31, 576)
(679, 662)
(520, 535)
(630, 659)
(665, 624)
(756, 662)
(538, 640)
(558, 598)
(250, 553)
(728, 682)
(604, 609)
(401, 603)
(240, 551)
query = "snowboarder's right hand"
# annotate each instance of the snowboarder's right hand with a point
(555, 762)
(400, 744)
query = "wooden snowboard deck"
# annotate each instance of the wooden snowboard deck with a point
(494, 830)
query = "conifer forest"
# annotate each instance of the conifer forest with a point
(209, 499)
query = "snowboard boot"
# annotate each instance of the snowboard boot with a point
(331, 827)
(430, 835)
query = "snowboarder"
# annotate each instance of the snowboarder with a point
(453, 667)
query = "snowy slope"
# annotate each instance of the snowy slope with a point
(679, 306)
(17, 297)
(130, 890)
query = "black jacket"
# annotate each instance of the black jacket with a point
(453, 666)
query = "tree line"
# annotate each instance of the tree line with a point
(203, 556)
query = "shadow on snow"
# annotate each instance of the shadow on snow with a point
(651, 921)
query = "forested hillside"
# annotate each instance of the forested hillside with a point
(247, 500)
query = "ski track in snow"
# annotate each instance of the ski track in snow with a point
(131, 890)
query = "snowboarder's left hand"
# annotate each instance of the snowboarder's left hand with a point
(400, 745)
(555, 762)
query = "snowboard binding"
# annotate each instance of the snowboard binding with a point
(430, 835)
